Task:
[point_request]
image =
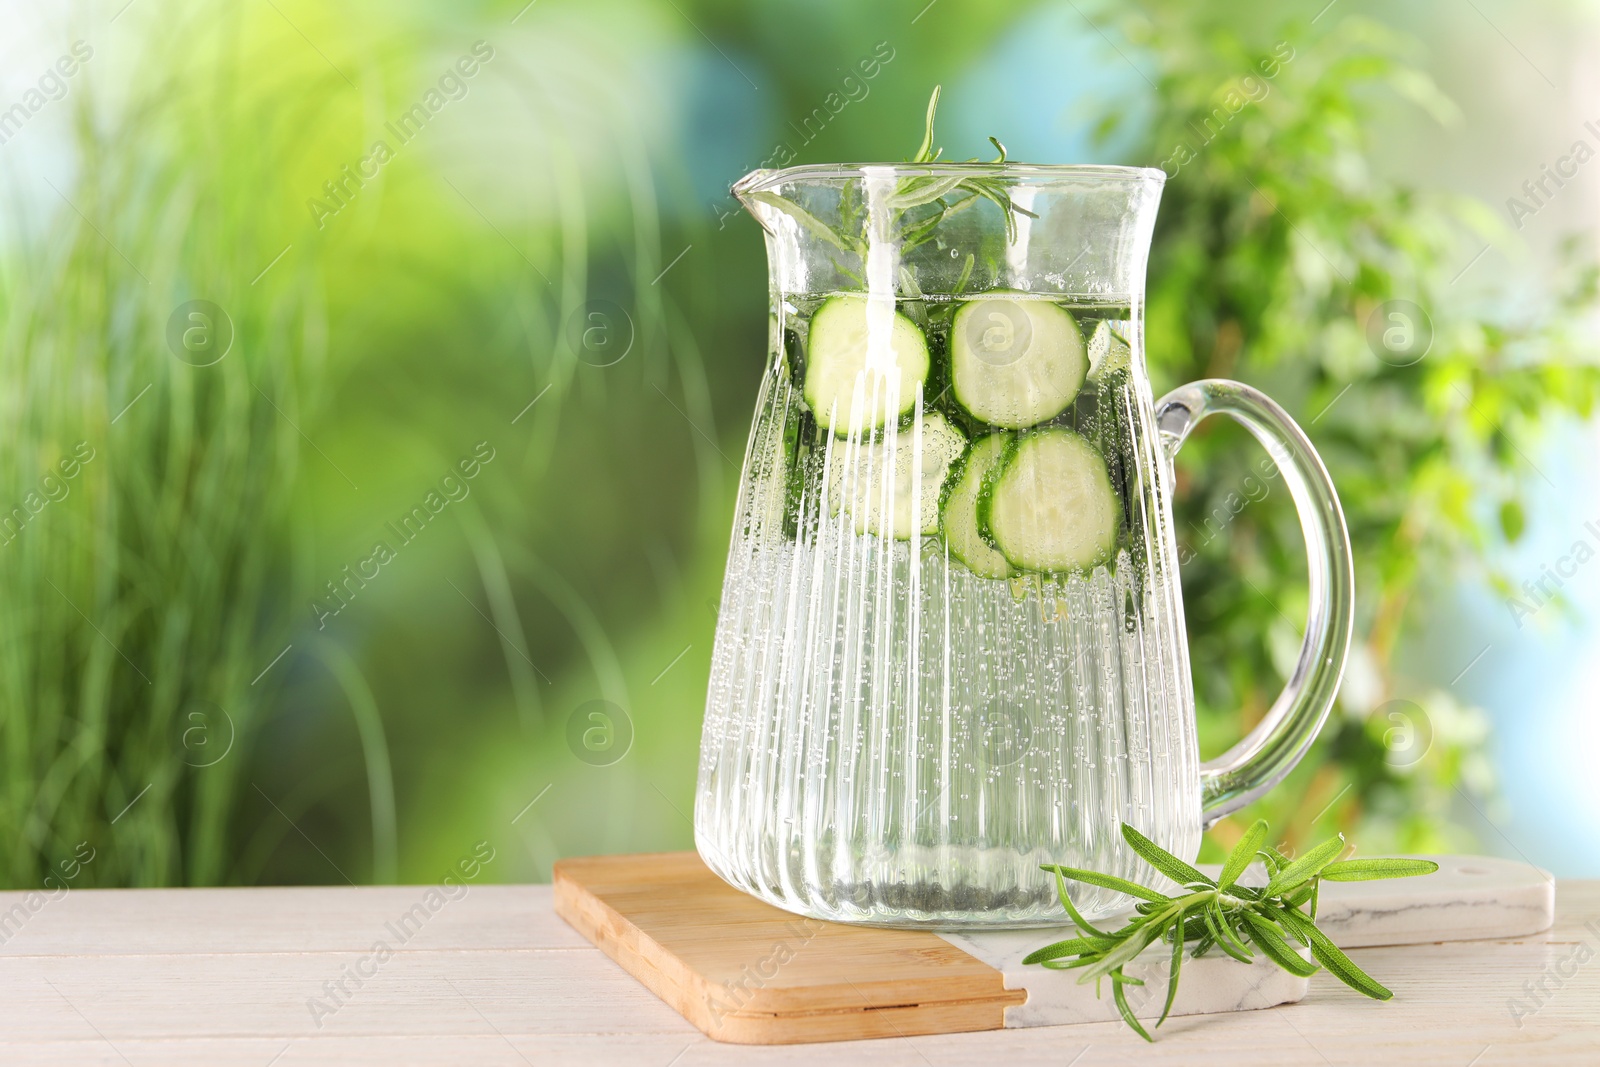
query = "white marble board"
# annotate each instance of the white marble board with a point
(1469, 898)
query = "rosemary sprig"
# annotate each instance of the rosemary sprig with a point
(948, 194)
(940, 189)
(1219, 913)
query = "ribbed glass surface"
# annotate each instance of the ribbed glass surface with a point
(892, 739)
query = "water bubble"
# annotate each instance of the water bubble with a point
(1001, 734)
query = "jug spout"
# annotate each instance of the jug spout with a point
(770, 196)
(746, 187)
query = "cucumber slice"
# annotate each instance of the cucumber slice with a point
(856, 477)
(864, 361)
(959, 517)
(1108, 353)
(1052, 507)
(1015, 363)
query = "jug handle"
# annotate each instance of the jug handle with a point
(1262, 759)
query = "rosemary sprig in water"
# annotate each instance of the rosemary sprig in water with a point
(1219, 913)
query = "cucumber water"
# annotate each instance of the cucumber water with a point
(936, 634)
(991, 425)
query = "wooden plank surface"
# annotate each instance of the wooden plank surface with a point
(743, 971)
(224, 977)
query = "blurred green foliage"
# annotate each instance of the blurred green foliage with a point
(1284, 258)
(176, 603)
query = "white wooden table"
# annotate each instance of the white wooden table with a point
(251, 976)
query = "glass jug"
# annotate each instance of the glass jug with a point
(951, 642)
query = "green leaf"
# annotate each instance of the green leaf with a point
(1164, 861)
(1078, 920)
(1366, 870)
(1267, 938)
(1108, 881)
(1126, 952)
(1176, 965)
(1288, 926)
(1001, 198)
(925, 150)
(918, 232)
(1070, 947)
(1127, 1012)
(1224, 939)
(1230, 935)
(966, 268)
(1338, 964)
(1245, 851)
(802, 216)
(914, 192)
(1275, 861)
(1306, 866)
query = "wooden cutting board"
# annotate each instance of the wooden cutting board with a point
(744, 971)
